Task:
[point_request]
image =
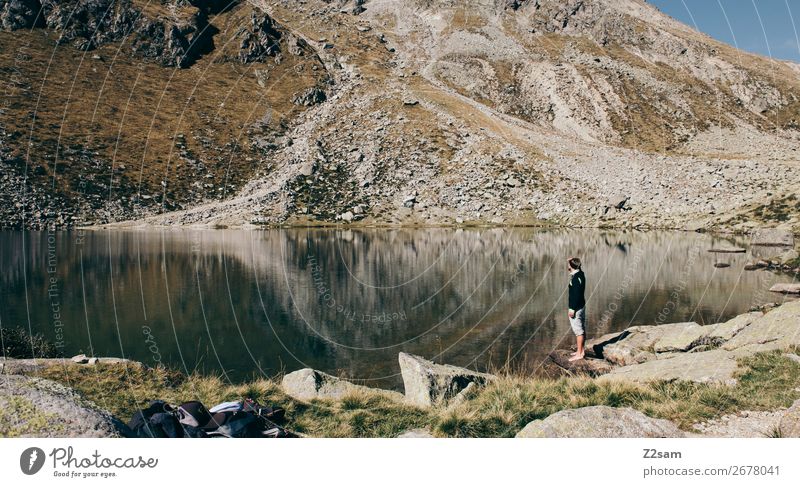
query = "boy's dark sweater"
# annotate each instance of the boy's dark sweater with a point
(577, 286)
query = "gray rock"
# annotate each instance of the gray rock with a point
(788, 256)
(636, 347)
(790, 421)
(309, 97)
(595, 346)
(722, 332)
(618, 201)
(307, 169)
(35, 407)
(679, 337)
(772, 237)
(776, 330)
(600, 422)
(592, 367)
(416, 433)
(310, 384)
(712, 366)
(642, 343)
(721, 265)
(260, 40)
(785, 288)
(80, 359)
(633, 349)
(347, 216)
(428, 384)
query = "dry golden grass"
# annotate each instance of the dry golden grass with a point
(127, 112)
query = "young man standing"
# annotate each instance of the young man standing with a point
(577, 305)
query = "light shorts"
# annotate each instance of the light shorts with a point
(578, 323)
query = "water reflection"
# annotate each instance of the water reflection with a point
(347, 301)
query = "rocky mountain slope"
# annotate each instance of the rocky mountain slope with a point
(577, 112)
(120, 109)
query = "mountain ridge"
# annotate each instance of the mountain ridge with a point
(589, 113)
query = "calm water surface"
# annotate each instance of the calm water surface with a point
(247, 303)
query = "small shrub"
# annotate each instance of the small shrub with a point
(18, 343)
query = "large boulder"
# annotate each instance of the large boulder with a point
(722, 332)
(310, 384)
(600, 422)
(635, 348)
(679, 337)
(595, 346)
(778, 329)
(785, 288)
(639, 344)
(642, 343)
(772, 237)
(790, 422)
(428, 384)
(35, 407)
(712, 366)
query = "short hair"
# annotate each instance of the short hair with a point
(574, 263)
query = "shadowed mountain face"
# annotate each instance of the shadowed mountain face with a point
(249, 302)
(117, 109)
(587, 112)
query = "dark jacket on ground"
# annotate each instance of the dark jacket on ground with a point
(577, 286)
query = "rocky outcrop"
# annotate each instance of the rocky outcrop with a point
(789, 425)
(643, 343)
(741, 424)
(259, 40)
(20, 14)
(310, 384)
(740, 337)
(312, 96)
(722, 332)
(428, 384)
(778, 329)
(718, 366)
(772, 237)
(785, 288)
(600, 422)
(174, 34)
(35, 407)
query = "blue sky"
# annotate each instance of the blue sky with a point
(768, 27)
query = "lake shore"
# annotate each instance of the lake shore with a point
(666, 380)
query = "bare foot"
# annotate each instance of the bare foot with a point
(575, 357)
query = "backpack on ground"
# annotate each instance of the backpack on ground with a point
(157, 420)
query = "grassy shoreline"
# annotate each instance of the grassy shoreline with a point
(766, 382)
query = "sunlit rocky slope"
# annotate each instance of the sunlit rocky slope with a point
(579, 112)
